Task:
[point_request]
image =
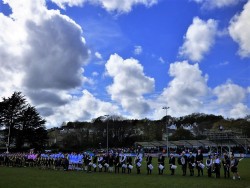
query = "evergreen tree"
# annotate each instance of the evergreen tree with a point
(21, 122)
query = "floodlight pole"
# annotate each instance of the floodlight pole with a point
(166, 108)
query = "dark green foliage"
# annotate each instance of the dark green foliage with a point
(123, 133)
(182, 134)
(22, 123)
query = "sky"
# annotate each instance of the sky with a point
(76, 60)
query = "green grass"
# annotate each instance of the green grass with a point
(34, 177)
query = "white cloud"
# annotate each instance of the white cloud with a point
(11, 80)
(198, 39)
(62, 3)
(98, 55)
(56, 55)
(212, 4)
(229, 99)
(239, 30)
(188, 93)
(184, 94)
(138, 50)
(47, 46)
(42, 55)
(81, 108)
(121, 6)
(129, 84)
(229, 93)
(239, 110)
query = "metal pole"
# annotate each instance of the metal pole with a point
(166, 108)
(107, 136)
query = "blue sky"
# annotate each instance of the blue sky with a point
(80, 59)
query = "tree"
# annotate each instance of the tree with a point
(31, 129)
(10, 113)
(21, 122)
(182, 134)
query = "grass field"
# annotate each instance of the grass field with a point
(34, 177)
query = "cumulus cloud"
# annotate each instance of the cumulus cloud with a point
(229, 93)
(121, 6)
(229, 100)
(43, 56)
(45, 112)
(81, 108)
(213, 4)
(56, 55)
(138, 50)
(198, 39)
(239, 110)
(47, 98)
(49, 46)
(239, 30)
(185, 92)
(129, 84)
(188, 92)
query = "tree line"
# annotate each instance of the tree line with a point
(124, 133)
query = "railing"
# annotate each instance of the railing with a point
(224, 135)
